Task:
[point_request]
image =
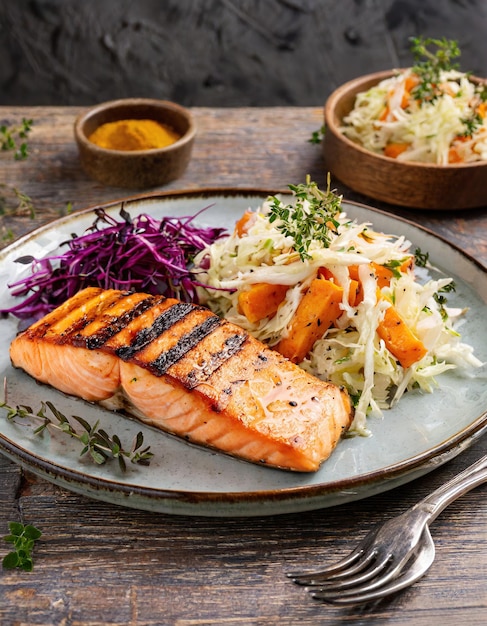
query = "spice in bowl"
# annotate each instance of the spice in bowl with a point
(135, 143)
(134, 134)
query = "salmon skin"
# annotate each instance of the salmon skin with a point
(181, 368)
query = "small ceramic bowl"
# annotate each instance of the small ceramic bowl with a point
(136, 169)
(415, 185)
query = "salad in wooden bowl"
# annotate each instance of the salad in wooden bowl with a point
(415, 137)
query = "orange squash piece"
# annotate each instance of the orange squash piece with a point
(410, 83)
(318, 309)
(324, 272)
(385, 114)
(355, 293)
(393, 150)
(400, 339)
(242, 224)
(261, 300)
(354, 290)
(383, 273)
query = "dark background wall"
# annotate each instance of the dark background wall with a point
(218, 52)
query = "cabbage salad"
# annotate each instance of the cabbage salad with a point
(430, 113)
(306, 279)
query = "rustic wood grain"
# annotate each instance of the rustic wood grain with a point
(98, 564)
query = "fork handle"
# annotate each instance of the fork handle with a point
(438, 500)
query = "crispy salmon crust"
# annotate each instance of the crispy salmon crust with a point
(182, 369)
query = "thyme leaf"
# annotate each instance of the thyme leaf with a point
(310, 218)
(24, 202)
(472, 124)
(421, 259)
(441, 300)
(432, 56)
(23, 539)
(482, 93)
(317, 135)
(13, 138)
(12, 201)
(97, 444)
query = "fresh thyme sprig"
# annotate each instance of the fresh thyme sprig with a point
(441, 300)
(472, 124)
(24, 202)
(12, 200)
(317, 135)
(23, 539)
(97, 443)
(310, 218)
(421, 259)
(432, 56)
(10, 136)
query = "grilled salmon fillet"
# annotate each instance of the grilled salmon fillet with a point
(181, 368)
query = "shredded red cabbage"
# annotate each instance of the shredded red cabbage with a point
(139, 254)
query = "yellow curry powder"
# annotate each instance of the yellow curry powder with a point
(134, 135)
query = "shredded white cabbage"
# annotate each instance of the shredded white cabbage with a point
(350, 353)
(388, 119)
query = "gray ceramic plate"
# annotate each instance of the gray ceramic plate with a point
(421, 433)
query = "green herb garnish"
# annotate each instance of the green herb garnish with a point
(97, 443)
(472, 124)
(421, 259)
(24, 202)
(310, 218)
(482, 92)
(393, 265)
(441, 300)
(12, 201)
(432, 56)
(10, 136)
(317, 135)
(23, 539)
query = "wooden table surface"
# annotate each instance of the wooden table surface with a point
(100, 564)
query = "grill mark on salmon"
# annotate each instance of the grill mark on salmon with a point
(231, 346)
(187, 342)
(98, 338)
(164, 322)
(182, 369)
(127, 335)
(73, 323)
(76, 304)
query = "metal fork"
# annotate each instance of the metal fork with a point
(393, 555)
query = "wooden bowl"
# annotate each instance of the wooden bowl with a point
(136, 169)
(415, 185)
